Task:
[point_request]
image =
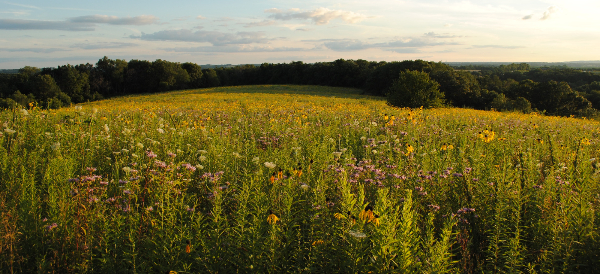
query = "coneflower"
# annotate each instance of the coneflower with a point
(272, 219)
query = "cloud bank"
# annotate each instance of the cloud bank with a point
(320, 16)
(215, 38)
(81, 23)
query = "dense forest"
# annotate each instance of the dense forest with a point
(554, 91)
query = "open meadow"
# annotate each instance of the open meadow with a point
(298, 179)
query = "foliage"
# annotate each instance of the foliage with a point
(275, 179)
(415, 89)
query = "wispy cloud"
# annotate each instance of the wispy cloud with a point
(496, 47)
(114, 20)
(437, 35)
(104, 45)
(34, 50)
(19, 24)
(320, 16)
(215, 38)
(23, 6)
(82, 23)
(235, 48)
(404, 45)
(260, 24)
(548, 12)
(527, 17)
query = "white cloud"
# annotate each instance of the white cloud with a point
(200, 17)
(548, 12)
(527, 17)
(320, 16)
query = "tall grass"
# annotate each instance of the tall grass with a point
(273, 179)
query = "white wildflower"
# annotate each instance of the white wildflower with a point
(357, 234)
(125, 150)
(160, 130)
(202, 158)
(139, 145)
(237, 155)
(363, 138)
(255, 160)
(78, 108)
(55, 146)
(127, 169)
(337, 154)
(374, 151)
(199, 166)
(134, 155)
(270, 165)
(106, 129)
(202, 151)
(24, 112)
(9, 131)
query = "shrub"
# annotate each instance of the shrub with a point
(415, 89)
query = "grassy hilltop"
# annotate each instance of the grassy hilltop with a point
(295, 179)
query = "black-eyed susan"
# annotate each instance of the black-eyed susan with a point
(366, 214)
(280, 174)
(585, 141)
(272, 218)
(272, 179)
(188, 247)
(318, 242)
(374, 220)
(487, 135)
(540, 141)
(409, 149)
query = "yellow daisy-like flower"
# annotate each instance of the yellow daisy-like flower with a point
(409, 150)
(339, 216)
(272, 219)
(375, 220)
(366, 214)
(317, 242)
(541, 141)
(487, 135)
(585, 141)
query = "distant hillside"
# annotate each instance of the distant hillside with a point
(572, 64)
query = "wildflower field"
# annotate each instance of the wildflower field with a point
(298, 179)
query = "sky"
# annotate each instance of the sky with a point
(45, 33)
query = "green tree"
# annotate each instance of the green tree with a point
(195, 73)
(73, 82)
(415, 89)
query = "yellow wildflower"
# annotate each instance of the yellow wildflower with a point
(374, 220)
(272, 219)
(487, 135)
(366, 214)
(339, 216)
(318, 242)
(585, 141)
(409, 150)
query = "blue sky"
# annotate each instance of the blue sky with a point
(51, 33)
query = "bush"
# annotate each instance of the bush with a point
(415, 89)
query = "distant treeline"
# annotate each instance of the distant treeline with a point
(555, 91)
